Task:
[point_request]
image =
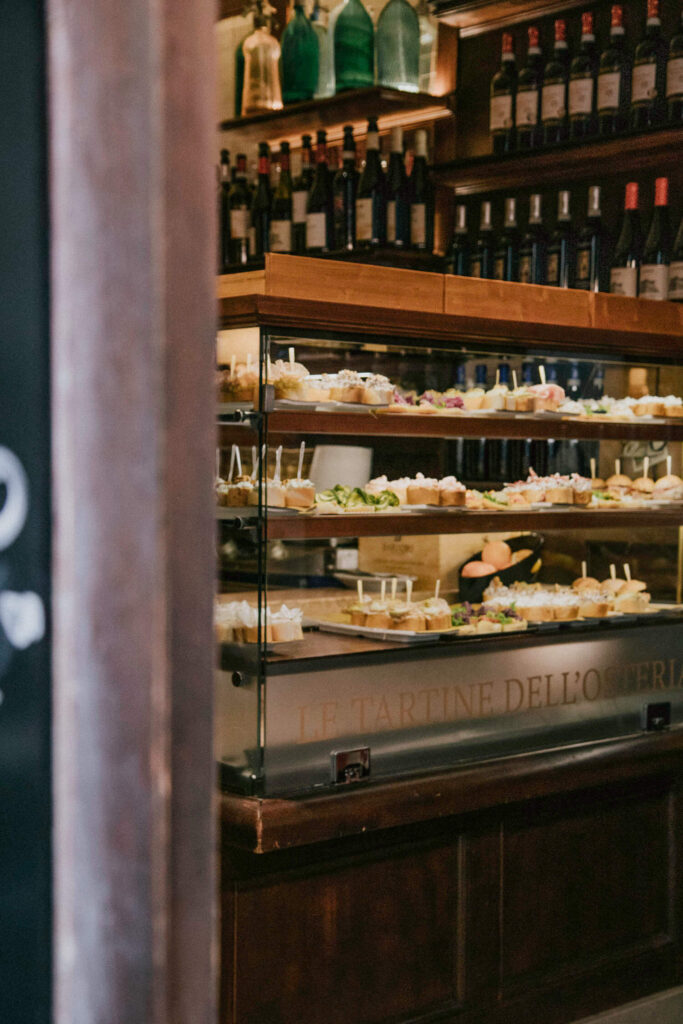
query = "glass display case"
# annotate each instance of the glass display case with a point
(448, 523)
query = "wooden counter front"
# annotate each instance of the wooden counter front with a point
(542, 887)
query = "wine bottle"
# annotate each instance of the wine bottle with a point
(591, 264)
(654, 270)
(583, 72)
(398, 200)
(344, 189)
(502, 107)
(528, 99)
(614, 79)
(560, 263)
(397, 42)
(533, 250)
(252, 185)
(371, 195)
(623, 279)
(674, 78)
(460, 247)
(301, 186)
(240, 201)
(354, 47)
(224, 185)
(261, 203)
(506, 258)
(421, 198)
(481, 262)
(299, 60)
(676, 267)
(320, 207)
(649, 73)
(281, 211)
(554, 91)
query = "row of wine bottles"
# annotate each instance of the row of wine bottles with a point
(318, 58)
(319, 212)
(590, 94)
(648, 265)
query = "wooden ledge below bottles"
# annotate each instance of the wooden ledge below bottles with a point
(266, 825)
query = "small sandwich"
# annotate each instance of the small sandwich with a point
(643, 487)
(582, 489)
(632, 598)
(673, 406)
(451, 492)
(473, 398)
(619, 483)
(495, 500)
(474, 500)
(315, 388)
(289, 378)
(495, 397)
(593, 605)
(377, 390)
(377, 615)
(347, 386)
(437, 612)
(585, 583)
(558, 490)
(408, 616)
(547, 397)
(668, 488)
(286, 624)
(423, 491)
(299, 493)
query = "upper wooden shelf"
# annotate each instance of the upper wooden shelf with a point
(391, 106)
(300, 294)
(656, 150)
(472, 17)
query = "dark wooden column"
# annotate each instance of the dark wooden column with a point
(131, 118)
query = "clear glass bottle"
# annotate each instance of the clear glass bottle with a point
(429, 30)
(319, 21)
(299, 62)
(354, 47)
(398, 46)
(261, 49)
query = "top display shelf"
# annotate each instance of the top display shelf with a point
(472, 17)
(391, 106)
(301, 294)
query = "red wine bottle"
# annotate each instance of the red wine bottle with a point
(371, 217)
(649, 73)
(240, 199)
(674, 78)
(654, 270)
(560, 261)
(224, 186)
(628, 251)
(320, 207)
(502, 108)
(582, 76)
(281, 210)
(260, 207)
(591, 264)
(533, 250)
(676, 267)
(614, 79)
(481, 263)
(554, 93)
(301, 186)
(528, 100)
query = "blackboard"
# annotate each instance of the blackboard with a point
(25, 884)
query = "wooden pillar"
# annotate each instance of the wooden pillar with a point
(132, 253)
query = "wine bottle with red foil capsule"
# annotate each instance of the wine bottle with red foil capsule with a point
(614, 78)
(676, 268)
(628, 251)
(502, 108)
(649, 73)
(261, 203)
(320, 208)
(583, 73)
(654, 270)
(554, 91)
(674, 78)
(528, 100)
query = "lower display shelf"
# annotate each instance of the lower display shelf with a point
(297, 525)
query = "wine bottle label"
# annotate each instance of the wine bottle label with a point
(364, 220)
(624, 281)
(299, 203)
(418, 224)
(280, 236)
(609, 90)
(526, 113)
(553, 268)
(676, 281)
(644, 87)
(501, 113)
(239, 223)
(583, 268)
(316, 234)
(252, 240)
(391, 221)
(499, 268)
(654, 281)
(475, 268)
(581, 96)
(553, 102)
(674, 77)
(525, 269)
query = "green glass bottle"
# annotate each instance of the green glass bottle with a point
(354, 47)
(299, 57)
(398, 47)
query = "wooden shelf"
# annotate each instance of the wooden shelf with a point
(508, 425)
(391, 106)
(659, 150)
(472, 17)
(302, 526)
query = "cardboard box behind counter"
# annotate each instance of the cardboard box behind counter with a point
(429, 558)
